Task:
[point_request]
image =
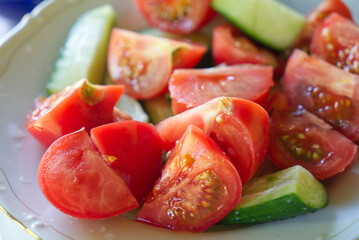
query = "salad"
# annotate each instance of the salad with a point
(93, 167)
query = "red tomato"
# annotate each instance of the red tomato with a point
(298, 137)
(81, 105)
(316, 17)
(75, 178)
(327, 91)
(337, 42)
(240, 127)
(198, 187)
(230, 46)
(134, 150)
(119, 115)
(192, 87)
(144, 63)
(176, 16)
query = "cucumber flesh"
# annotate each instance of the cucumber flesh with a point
(84, 52)
(270, 22)
(158, 108)
(277, 196)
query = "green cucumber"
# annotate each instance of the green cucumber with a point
(270, 22)
(158, 108)
(85, 50)
(277, 196)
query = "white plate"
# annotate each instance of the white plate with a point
(27, 55)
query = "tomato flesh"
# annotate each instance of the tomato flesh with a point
(176, 16)
(239, 126)
(321, 88)
(75, 178)
(192, 87)
(298, 137)
(134, 150)
(81, 105)
(144, 63)
(198, 187)
(230, 46)
(316, 17)
(337, 42)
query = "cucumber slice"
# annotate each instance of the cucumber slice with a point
(277, 196)
(84, 52)
(158, 108)
(268, 21)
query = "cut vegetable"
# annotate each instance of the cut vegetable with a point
(277, 196)
(267, 21)
(158, 108)
(84, 53)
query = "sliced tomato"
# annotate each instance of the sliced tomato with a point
(119, 115)
(198, 187)
(81, 105)
(240, 127)
(230, 46)
(144, 63)
(337, 42)
(316, 17)
(192, 87)
(75, 178)
(325, 90)
(134, 150)
(298, 137)
(176, 16)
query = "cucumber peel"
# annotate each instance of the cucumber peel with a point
(84, 52)
(270, 22)
(277, 196)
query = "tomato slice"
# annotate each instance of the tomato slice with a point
(144, 63)
(298, 137)
(316, 17)
(325, 90)
(81, 105)
(75, 178)
(240, 127)
(198, 187)
(134, 150)
(230, 46)
(337, 42)
(176, 16)
(192, 87)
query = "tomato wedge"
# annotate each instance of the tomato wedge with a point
(192, 87)
(337, 42)
(75, 178)
(298, 137)
(230, 46)
(176, 16)
(144, 63)
(240, 127)
(198, 187)
(325, 90)
(134, 150)
(81, 105)
(316, 17)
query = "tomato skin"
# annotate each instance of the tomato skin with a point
(144, 63)
(75, 178)
(192, 87)
(306, 74)
(195, 14)
(334, 152)
(240, 127)
(336, 41)
(316, 17)
(230, 46)
(81, 105)
(198, 186)
(134, 151)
